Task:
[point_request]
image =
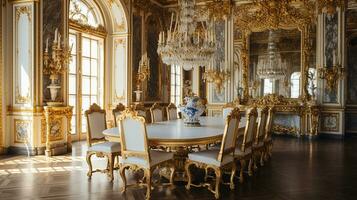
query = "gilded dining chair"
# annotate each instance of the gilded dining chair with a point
(117, 111)
(171, 111)
(258, 145)
(227, 109)
(136, 154)
(268, 141)
(156, 113)
(217, 159)
(97, 145)
(244, 150)
(141, 110)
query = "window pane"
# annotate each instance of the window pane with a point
(86, 66)
(72, 84)
(84, 124)
(94, 99)
(73, 124)
(72, 102)
(85, 85)
(94, 86)
(73, 65)
(94, 50)
(178, 80)
(94, 66)
(268, 86)
(73, 43)
(86, 47)
(85, 103)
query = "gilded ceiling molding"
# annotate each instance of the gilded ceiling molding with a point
(23, 10)
(22, 1)
(330, 6)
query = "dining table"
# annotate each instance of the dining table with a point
(179, 137)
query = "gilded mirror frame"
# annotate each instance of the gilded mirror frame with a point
(263, 15)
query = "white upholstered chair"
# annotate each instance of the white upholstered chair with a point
(156, 113)
(217, 159)
(141, 110)
(96, 122)
(258, 145)
(227, 109)
(268, 141)
(171, 111)
(136, 154)
(117, 111)
(244, 150)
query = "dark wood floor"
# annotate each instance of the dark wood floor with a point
(300, 169)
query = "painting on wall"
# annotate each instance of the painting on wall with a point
(154, 82)
(219, 97)
(330, 122)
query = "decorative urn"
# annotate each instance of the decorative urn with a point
(193, 109)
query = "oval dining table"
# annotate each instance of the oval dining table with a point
(179, 137)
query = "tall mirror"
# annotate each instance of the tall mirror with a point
(275, 65)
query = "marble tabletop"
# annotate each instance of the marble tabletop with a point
(175, 132)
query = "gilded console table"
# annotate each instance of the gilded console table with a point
(57, 124)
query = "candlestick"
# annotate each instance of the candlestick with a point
(172, 19)
(59, 41)
(46, 50)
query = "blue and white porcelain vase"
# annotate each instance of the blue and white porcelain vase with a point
(192, 110)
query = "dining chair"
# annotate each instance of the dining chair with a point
(227, 108)
(171, 111)
(258, 145)
(136, 154)
(244, 150)
(217, 159)
(156, 113)
(141, 110)
(97, 145)
(268, 141)
(117, 111)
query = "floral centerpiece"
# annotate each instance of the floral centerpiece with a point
(193, 109)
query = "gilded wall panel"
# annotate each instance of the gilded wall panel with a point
(331, 48)
(330, 122)
(22, 131)
(218, 58)
(120, 63)
(23, 53)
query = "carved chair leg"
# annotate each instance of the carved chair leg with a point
(89, 162)
(234, 169)
(148, 183)
(188, 173)
(111, 160)
(255, 157)
(262, 158)
(172, 174)
(242, 167)
(218, 181)
(250, 166)
(122, 175)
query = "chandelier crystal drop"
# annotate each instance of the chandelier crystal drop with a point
(190, 42)
(271, 65)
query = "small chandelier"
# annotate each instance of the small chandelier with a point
(270, 65)
(190, 42)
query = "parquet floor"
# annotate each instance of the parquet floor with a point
(300, 169)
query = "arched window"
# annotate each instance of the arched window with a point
(84, 13)
(295, 84)
(86, 68)
(268, 86)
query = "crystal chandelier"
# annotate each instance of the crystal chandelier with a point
(270, 65)
(190, 42)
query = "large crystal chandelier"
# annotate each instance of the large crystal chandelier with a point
(270, 65)
(190, 42)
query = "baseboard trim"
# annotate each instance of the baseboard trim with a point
(26, 151)
(331, 136)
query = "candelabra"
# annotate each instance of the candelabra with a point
(55, 64)
(331, 74)
(142, 75)
(217, 77)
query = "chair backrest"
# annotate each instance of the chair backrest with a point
(133, 135)
(250, 128)
(141, 110)
(230, 134)
(96, 123)
(262, 124)
(117, 111)
(269, 123)
(156, 113)
(171, 111)
(227, 109)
